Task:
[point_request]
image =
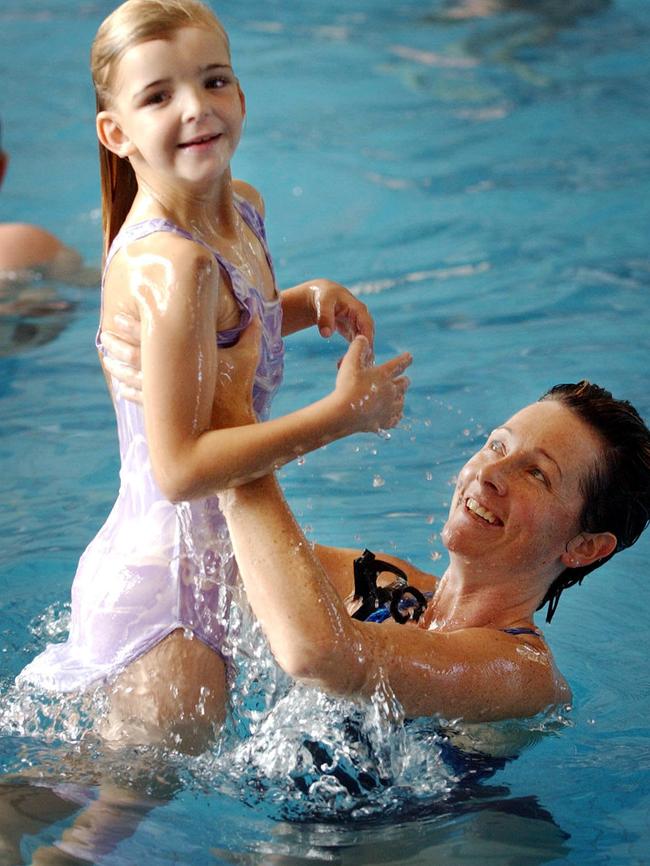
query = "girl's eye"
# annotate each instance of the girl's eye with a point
(216, 83)
(156, 98)
(537, 473)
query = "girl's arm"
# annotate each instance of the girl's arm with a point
(330, 306)
(175, 285)
(321, 302)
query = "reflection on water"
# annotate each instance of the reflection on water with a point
(30, 316)
(554, 13)
(560, 12)
(514, 28)
(37, 305)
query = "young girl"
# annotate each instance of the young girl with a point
(186, 256)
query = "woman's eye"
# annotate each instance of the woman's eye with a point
(537, 473)
(495, 445)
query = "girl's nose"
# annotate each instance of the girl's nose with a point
(194, 105)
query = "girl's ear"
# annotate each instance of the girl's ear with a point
(588, 547)
(112, 136)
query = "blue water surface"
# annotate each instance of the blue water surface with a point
(482, 182)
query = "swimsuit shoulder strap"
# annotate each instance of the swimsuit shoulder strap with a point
(255, 221)
(532, 631)
(143, 229)
(251, 216)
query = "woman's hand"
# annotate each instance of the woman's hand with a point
(236, 368)
(372, 397)
(122, 359)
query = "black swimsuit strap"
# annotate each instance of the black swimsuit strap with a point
(521, 631)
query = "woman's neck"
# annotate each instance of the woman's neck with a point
(468, 600)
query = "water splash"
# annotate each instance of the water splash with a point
(289, 750)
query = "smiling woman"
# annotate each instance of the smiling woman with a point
(519, 519)
(519, 496)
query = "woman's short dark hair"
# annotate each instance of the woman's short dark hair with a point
(617, 490)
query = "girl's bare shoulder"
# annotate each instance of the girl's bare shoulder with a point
(160, 257)
(250, 193)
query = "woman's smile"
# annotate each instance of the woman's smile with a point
(480, 513)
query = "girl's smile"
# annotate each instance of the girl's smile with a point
(176, 98)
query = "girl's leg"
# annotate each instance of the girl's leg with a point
(174, 695)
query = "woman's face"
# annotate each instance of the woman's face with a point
(519, 499)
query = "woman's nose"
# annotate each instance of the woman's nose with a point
(494, 474)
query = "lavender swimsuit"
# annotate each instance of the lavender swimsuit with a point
(156, 566)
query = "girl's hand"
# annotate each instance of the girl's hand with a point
(337, 310)
(372, 397)
(122, 358)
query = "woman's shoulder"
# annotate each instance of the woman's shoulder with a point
(250, 194)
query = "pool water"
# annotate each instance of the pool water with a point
(482, 181)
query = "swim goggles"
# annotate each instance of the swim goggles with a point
(380, 602)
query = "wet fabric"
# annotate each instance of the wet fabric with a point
(156, 566)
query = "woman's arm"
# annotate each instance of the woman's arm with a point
(175, 285)
(478, 674)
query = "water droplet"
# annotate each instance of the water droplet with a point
(378, 481)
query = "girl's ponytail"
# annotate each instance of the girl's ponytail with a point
(118, 188)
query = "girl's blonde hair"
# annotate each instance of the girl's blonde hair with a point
(133, 22)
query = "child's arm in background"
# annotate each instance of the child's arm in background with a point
(175, 284)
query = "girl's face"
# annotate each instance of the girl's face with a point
(518, 500)
(177, 109)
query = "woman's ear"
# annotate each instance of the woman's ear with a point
(112, 136)
(587, 548)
